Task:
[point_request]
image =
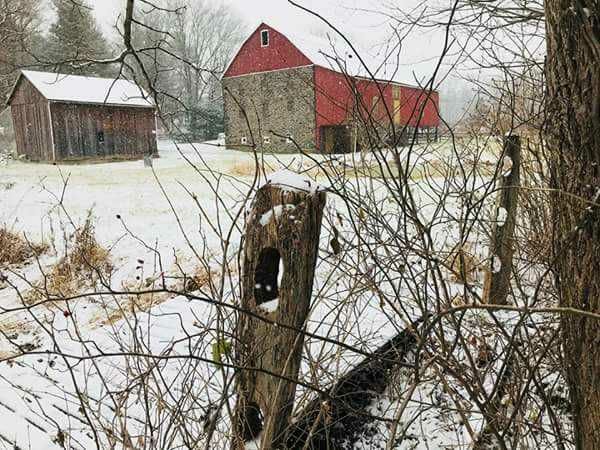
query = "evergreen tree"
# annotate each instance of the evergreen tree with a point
(19, 40)
(75, 39)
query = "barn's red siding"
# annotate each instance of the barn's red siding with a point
(279, 54)
(381, 108)
(414, 101)
(334, 99)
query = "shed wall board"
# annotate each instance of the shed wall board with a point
(31, 122)
(128, 132)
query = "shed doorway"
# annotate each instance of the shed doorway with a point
(336, 139)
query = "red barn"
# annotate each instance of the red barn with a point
(282, 92)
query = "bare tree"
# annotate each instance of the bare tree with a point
(192, 44)
(573, 130)
(19, 30)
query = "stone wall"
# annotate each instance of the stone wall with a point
(276, 103)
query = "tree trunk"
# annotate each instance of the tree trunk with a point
(281, 243)
(497, 278)
(573, 136)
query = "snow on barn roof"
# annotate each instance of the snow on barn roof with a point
(88, 90)
(332, 52)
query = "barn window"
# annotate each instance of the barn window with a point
(244, 140)
(264, 38)
(101, 136)
(266, 140)
(267, 275)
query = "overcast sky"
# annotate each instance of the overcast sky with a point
(279, 12)
(418, 54)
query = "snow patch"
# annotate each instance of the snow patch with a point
(276, 212)
(496, 264)
(507, 165)
(292, 181)
(252, 445)
(270, 306)
(501, 216)
(75, 88)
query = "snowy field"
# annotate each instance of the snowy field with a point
(138, 213)
(163, 222)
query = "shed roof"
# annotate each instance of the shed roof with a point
(87, 90)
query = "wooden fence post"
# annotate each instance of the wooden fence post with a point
(497, 278)
(280, 253)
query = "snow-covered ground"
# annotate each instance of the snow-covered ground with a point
(168, 220)
(139, 213)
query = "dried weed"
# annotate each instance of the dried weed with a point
(85, 263)
(16, 250)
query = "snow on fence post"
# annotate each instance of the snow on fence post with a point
(280, 254)
(497, 278)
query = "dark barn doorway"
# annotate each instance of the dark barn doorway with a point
(336, 139)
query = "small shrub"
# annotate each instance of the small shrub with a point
(200, 279)
(16, 250)
(463, 264)
(85, 262)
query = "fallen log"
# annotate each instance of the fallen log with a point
(331, 423)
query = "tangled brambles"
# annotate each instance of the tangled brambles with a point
(16, 250)
(85, 263)
(463, 264)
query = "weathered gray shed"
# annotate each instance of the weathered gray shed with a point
(66, 117)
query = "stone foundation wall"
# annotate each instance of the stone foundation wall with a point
(275, 103)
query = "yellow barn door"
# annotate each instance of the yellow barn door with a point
(397, 116)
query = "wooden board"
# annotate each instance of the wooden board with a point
(96, 131)
(31, 121)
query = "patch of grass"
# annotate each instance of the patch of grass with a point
(139, 303)
(242, 169)
(85, 263)
(16, 250)
(130, 306)
(16, 336)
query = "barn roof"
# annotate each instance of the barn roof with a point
(332, 52)
(87, 90)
